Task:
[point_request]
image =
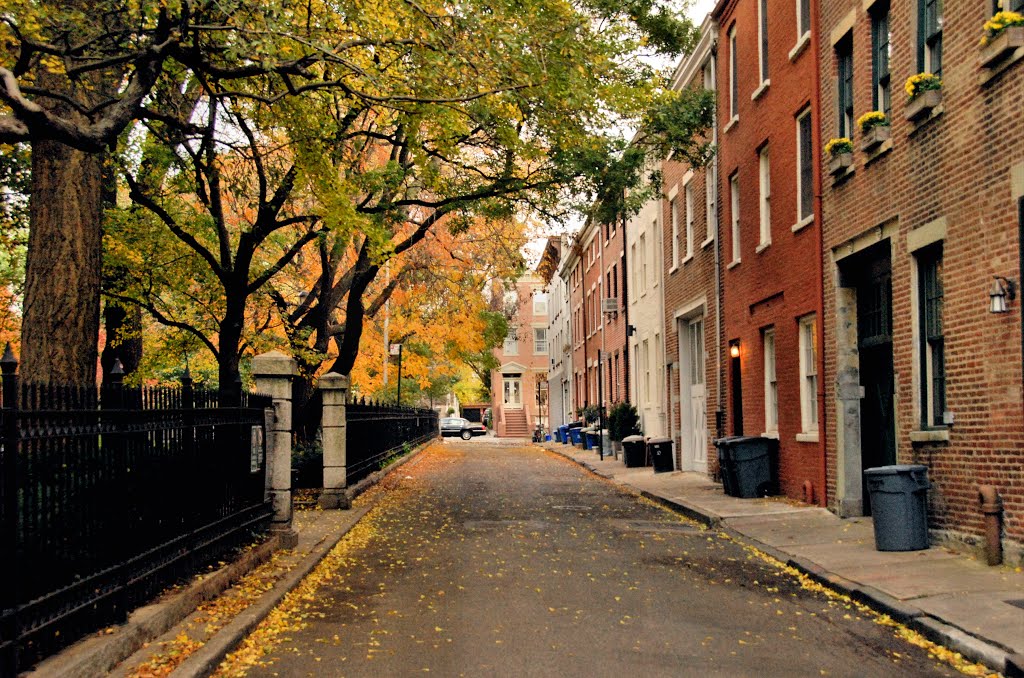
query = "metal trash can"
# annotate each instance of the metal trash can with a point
(899, 506)
(748, 465)
(634, 451)
(661, 454)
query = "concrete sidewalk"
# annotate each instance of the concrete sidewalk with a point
(951, 599)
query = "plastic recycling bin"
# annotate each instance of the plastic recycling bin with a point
(748, 465)
(899, 506)
(576, 435)
(591, 438)
(661, 454)
(634, 451)
(563, 434)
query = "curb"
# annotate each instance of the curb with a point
(936, 630)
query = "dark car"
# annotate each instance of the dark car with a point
(465, 429)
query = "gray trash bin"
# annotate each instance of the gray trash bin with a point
(661, 454)
(748, 465)
(899, 506)
(634, 452)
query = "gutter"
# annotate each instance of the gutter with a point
(816, 147)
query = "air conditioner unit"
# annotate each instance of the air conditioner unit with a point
(610, 305)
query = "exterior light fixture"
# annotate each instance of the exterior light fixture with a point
(630, 330)
(734, 350)
(1002, 289)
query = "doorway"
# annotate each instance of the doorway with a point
(512, 391)
(692, 394)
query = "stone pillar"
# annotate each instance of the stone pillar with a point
(334, 388)
(274, 372)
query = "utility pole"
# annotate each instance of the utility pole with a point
(600, 405)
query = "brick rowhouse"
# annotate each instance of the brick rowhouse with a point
(918, 369)
(767, 108)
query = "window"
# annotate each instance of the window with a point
(844, 59)
(733, 84)
(511, 346)
(804, 166)
(647, 371)
(933, 363)
(673, 206)
(734, 195)
(809, 374)
(643, 263)
(540, 340)
(540, 303)
(615, 280)
(765, 200)
(762, 39)
(615, 382)
(929, 36)
(881, 50)
(688, 191)
(803, 17)
(633, 268)
(771, 383)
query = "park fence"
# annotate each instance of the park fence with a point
(375, 433)
(111, 494)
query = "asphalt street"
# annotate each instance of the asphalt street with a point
(494, 560)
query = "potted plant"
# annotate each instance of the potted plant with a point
(874, 129)
(622, 422)
(1002, 35)
(840, 152)
(924, 92)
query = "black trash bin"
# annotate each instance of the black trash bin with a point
(899, 506)
(634, 452)
(661, 454)
(749, 465)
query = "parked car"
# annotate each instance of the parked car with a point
(457, 426)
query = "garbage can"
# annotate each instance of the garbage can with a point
(563, 434)
(899, 506)
(576, 435)
(748, 465)
(591, 438)
(634, 452)
(661, 454)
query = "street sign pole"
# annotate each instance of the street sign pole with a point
(600, 406)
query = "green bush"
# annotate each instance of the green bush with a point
(623, 421)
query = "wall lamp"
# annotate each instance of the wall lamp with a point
(630, 330)
(1002, 289)
(734, 350)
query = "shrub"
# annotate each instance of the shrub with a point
(623, 421)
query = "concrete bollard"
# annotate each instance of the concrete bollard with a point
(274, 372)
(334, 388)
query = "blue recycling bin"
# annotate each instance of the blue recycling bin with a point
(563, 434)
(575, 434)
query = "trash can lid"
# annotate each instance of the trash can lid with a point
(729, 440)
(633, 439)
(659, 441)
(895, 469)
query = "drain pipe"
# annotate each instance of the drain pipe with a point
(991, 508)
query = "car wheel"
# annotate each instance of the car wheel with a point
(466, 435)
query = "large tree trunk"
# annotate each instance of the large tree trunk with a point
(60, 326)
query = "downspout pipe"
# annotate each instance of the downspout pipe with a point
(816, 147)
(719, 332)
(991, 509)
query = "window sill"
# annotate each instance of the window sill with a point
(938, 435)
(687, 258)
(800, 46)
(759, 92)
(807, 437)
(734, 263)
(877, 152)
(770, 434)
(762, 247)
(802, 224)
(707, 242)
(729, 125)
(990, 72)
(673, 269)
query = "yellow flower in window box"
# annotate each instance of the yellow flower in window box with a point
(872, 119)
(920, 83)
(999, 22)
(1002, 35)
(838, 146)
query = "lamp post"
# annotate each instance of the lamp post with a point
(396, 349)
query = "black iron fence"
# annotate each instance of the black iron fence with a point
(110, 494)
(375, 432)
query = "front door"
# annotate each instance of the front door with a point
(513, 392)
(874, 344)
(693, 399)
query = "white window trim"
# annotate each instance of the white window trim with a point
(762, 51)
(673, 207)
(801, 44)
(761, 89)
(808, 424)
(733, 84)
(688, 201)
(771, 378)
(710, 205)
(734, 203)
(764, 199)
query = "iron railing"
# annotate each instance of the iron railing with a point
(111, 494)
(374, 432)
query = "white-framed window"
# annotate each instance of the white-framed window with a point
(762, 39)
(804, 167)
(734, 199)
(647, 372)
(511, 345)
(771, 382)
(643, 263)
(540, 303)
(710, 213)
(765, 191)
(634, 271)
(733, 81)
(688, 193)
(673, 207)
(809, 374)
(540, 340)
(803, 17)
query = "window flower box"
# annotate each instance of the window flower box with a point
(874, 129)
(838, 164)
(1002, 45)
(922, 104)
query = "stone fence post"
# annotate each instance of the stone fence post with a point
(274, 372)
(334, 388)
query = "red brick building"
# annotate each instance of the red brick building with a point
(919, 231)
(768, 165)
(691, 255)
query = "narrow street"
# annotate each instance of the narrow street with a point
(484, 559)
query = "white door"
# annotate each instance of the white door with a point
(692, 400)
(513, 393)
